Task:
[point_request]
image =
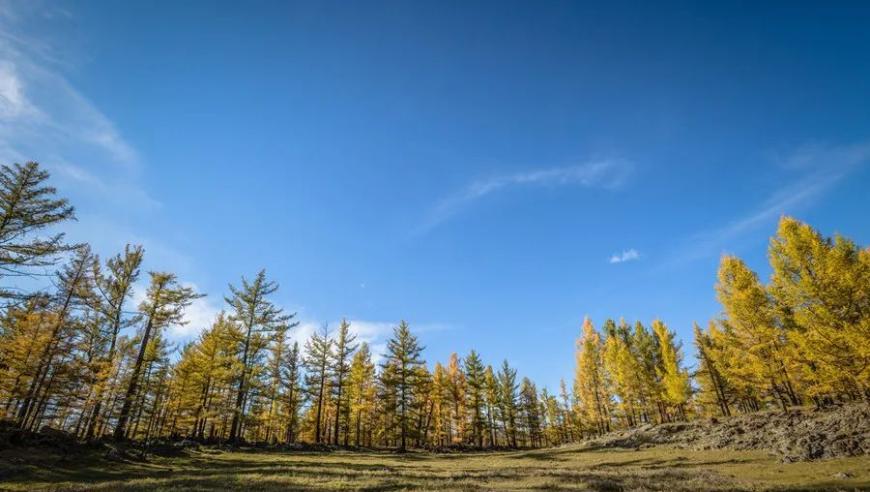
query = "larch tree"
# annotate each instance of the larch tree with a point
(163, 306)
(318, 355)
(456, 385)
(292, 369)
(820, 286)
(275, 383)
(344, 349)
(713, 387)
(28, 206)
(675, 379)
(645, 349)
(214, 357)
(491, 390)
(622, 368)
(568, 423)
(361, 386)
(114, 288)
(75, 292)
(440, 406)
(421, 405)
(260, 320)
(590, 380)
(753, 328)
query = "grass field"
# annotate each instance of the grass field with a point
(568, 468)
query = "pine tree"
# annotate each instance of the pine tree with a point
(508, 401)
(404, 358)
(530, 411)
(475, 395)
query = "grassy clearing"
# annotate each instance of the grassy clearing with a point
(568, 468)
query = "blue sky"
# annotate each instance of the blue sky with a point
(491, 172)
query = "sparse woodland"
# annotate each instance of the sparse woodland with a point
(81, 357)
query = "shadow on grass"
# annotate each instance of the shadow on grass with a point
(826, 486)
(389, 472)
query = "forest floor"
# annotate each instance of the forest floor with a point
(573, 467)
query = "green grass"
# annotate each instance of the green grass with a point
(567, 468)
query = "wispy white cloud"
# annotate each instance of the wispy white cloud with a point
(43, 117)
(627, 255)
(605, 174)
(821, 168)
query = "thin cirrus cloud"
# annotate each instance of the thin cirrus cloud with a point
(821, 168)
(43, 117)
(627, 255)
(607, 174)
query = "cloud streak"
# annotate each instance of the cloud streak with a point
(43, 117)
(822, 168)
(627, 255)
(605, 174)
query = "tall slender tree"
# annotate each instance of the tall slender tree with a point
(344, 349)
(508, 398)
(260, 320)
(114, 288)
(403, 355)
(361, 391)
(291, 371)
(590, 380)
(475, 395)
(318, 354)
(163, 306)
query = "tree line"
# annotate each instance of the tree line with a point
(82, 358)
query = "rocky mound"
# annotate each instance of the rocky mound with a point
(801, 434)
